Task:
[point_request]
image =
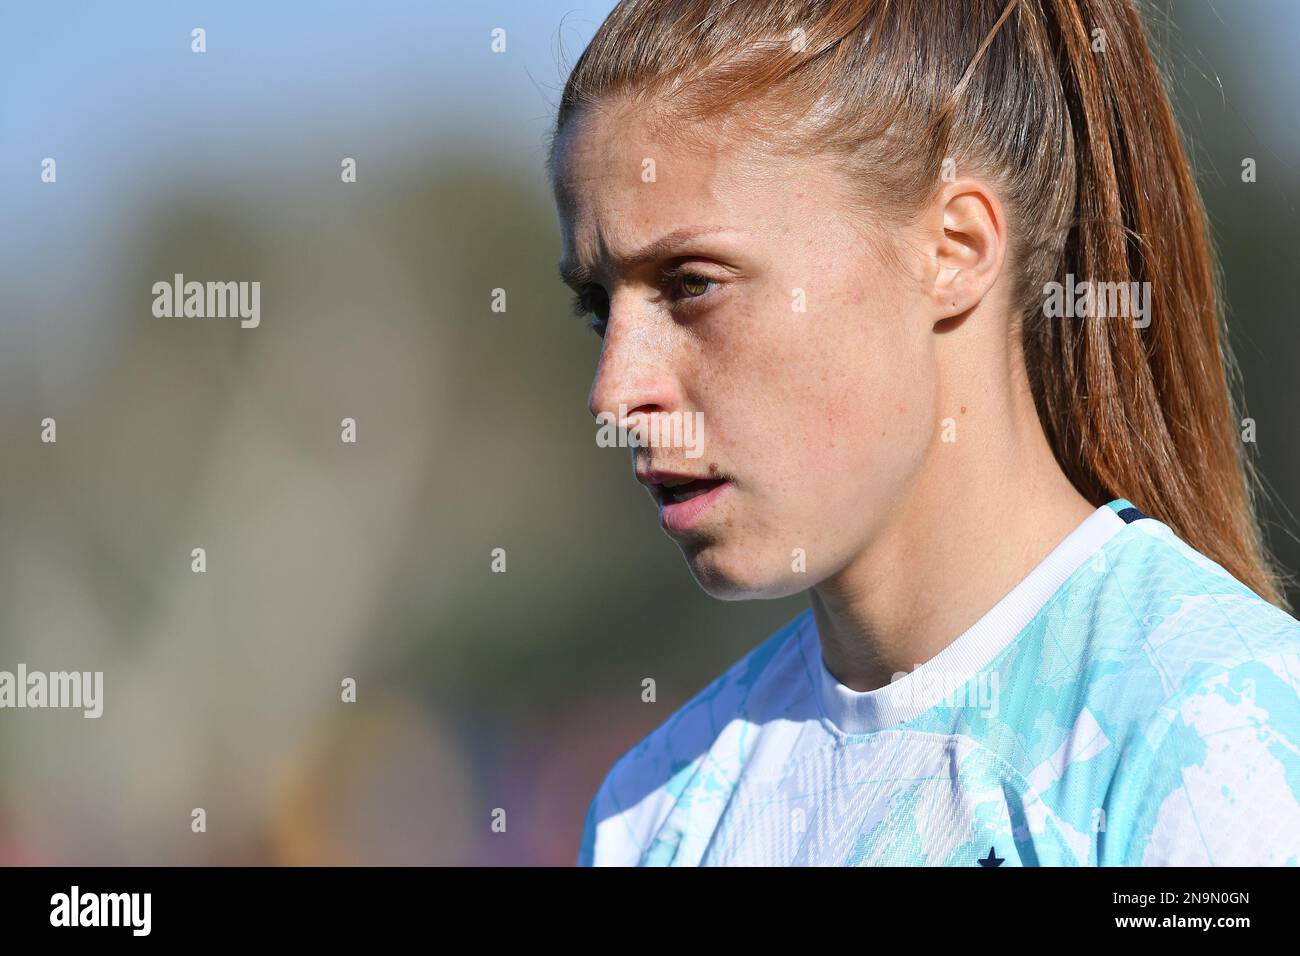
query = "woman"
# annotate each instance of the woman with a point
(935, 278)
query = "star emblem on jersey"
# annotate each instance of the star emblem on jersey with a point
(991, 860)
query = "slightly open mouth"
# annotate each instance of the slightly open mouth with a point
(692, 489)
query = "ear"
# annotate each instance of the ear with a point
(967, 234)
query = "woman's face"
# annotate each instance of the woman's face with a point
(805, 356)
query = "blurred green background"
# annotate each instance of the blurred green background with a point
(476, 691)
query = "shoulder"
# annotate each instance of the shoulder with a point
(1212, 776)
(1209, 763)
(650, 777)
(1145, 622)
(1196, 620)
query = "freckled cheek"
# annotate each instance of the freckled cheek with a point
(858, 422)
(851, 422)
(792, 405)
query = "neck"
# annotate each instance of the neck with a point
(984, 511)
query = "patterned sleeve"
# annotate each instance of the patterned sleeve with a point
(1214, 777)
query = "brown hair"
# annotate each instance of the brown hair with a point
(1059, 105)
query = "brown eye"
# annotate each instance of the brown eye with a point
(695, 285)
(688, 285)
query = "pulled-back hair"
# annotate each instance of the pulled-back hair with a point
(1059, 106)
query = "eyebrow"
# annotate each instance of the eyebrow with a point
(575, 273)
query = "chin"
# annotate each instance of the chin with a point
(739, 578)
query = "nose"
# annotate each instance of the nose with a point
(635, 375)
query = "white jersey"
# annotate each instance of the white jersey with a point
(1128, 703)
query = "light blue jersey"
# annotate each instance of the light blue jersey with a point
(1129, 703)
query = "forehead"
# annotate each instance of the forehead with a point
(621, 174)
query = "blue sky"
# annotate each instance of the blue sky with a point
(114, 93)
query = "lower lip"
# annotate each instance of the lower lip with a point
(684, 515)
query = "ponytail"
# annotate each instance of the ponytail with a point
(1136, 410)
(1059, 104)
